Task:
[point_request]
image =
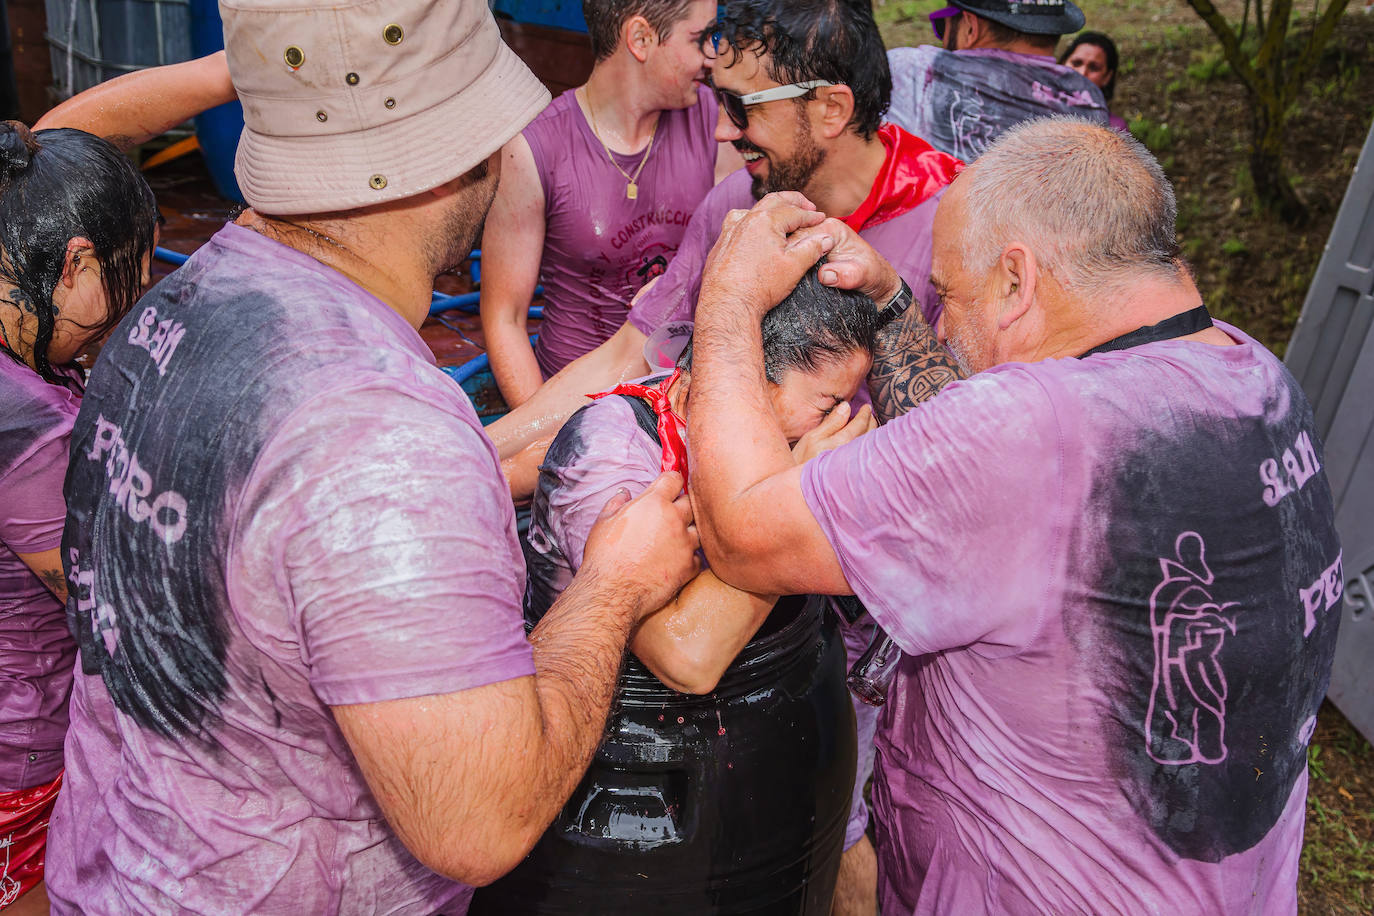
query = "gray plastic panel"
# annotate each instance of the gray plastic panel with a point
(1332, 355)
(91, 41)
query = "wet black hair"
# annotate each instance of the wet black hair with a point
(605, 17)
(834, 40)
(1097, 39)
(57, 185)
(814, 326)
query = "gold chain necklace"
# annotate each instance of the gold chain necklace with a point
(632, 188)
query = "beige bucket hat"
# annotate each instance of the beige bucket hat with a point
(348, 104)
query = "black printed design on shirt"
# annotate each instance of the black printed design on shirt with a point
(1212, 673)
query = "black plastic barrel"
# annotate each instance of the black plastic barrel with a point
(732, 802)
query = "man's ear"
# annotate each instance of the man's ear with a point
(80, 253)
(837, 109)
(638, 36)
(1016, 278)
(975, 27)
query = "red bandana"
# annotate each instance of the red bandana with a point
(912, 172)
(670, 425)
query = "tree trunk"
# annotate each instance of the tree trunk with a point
(1272, 185)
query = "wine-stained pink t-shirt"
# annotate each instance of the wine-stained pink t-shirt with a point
(36, 648)
(278, 504)
(1117, 581)
(600, 246)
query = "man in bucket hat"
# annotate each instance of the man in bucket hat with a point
(996, 69)
(305, 684)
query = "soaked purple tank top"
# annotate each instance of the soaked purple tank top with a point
(599, 246)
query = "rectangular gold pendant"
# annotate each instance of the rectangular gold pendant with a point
(632, 191)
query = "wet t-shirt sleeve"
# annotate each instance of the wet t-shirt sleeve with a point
(614, 453)
(945, 521)
(389, 531)
(31, 494)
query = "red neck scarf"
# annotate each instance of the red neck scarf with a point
(912, 172)
(671, 427)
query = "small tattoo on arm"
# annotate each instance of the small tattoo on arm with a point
(909, 366)
(56, 582)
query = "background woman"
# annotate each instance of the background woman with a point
(1094, 55)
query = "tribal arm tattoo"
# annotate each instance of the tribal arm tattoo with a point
(909, 366)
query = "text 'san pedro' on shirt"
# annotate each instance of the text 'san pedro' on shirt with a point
(1118, 581)
(278, 504)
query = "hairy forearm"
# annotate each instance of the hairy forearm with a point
(139, 106)
(689, 643)
(909, 366)
(620, 358)
(578, 649)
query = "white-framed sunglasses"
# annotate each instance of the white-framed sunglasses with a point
(736, 106)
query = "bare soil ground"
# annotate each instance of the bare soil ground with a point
(1181, 100)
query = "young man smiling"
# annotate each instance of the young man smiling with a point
(596, 192)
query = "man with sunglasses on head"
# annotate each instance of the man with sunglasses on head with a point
(802, 86)
(996, 69)
(596, 192)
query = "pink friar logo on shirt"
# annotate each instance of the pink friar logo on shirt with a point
(1186, 719)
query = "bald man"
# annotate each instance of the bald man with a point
(1108, 554)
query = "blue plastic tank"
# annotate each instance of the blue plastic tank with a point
(217, 129)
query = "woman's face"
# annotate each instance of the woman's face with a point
(83, 304)
(802, 399)
(1091, 61)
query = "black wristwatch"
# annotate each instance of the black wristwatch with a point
(896, 307)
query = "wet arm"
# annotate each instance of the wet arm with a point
(47, 566)
(512, 247)
(755, 524)
(690, 642)
(469, 780)
(618, 359)
(136, 107)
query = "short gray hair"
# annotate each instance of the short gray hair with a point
(1092, 203)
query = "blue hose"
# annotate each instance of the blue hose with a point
(470, 303)
(467, 302)
(475, 366)
(171, 257)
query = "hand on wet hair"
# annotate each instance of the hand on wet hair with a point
(755, 262)
(17, 148)
(852, 263)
